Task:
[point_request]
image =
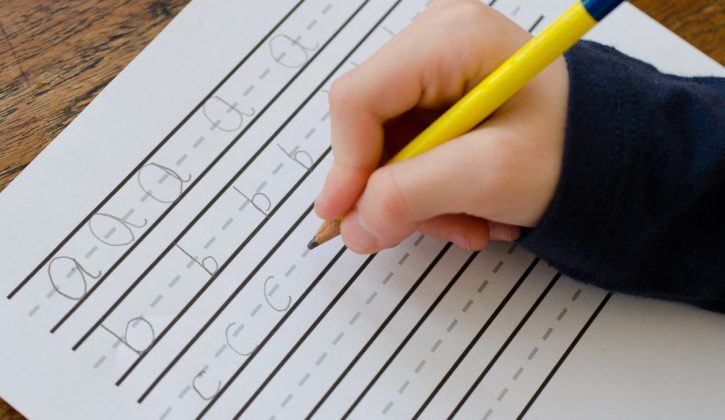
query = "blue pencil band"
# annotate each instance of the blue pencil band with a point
(598, 9)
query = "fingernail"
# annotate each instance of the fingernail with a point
(459, 239)
(499, 232)
(356, 235)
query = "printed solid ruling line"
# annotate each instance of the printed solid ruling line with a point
(332, 72)
(478, 335)
(201, 331)
(238, 174)
(213, 276)
(211, 280)
(226, 187)
(504, 346)
(397, 351)
(241, 368)
(321, 317)
(214, 162)
(573, 344)
(536, 23)
(153, 152)
(372, 339)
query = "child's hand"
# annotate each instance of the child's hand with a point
(479, 186)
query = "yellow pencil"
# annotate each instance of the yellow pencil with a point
(498, 87)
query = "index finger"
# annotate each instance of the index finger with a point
(447, 50)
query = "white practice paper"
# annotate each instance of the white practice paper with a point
(153, 259)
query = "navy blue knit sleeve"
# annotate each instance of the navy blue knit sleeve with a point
(640, 205)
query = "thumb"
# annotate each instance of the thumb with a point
(398, 198)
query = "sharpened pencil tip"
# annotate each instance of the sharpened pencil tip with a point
(328, 230)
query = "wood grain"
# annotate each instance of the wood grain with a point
(54, 59)
(699, 22)
(56, 56)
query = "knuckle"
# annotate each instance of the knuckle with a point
(472, 24)
(467, 11)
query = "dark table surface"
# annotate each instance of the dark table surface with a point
(56, 56)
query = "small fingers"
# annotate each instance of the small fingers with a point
(467, 232)
(503, 232)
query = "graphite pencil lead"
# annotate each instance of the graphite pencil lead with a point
(328, 230)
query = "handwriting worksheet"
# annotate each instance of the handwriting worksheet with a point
(153, 259)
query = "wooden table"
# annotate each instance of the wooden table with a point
(56, 56)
